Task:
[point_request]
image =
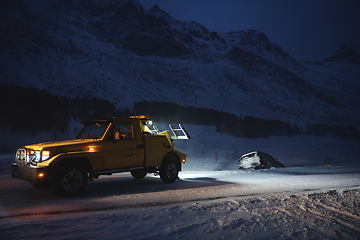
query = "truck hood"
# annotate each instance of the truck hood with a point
(41, 146)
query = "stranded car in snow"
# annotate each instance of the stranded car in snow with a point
(258, 160)
(102, 147)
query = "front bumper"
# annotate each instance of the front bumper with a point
(30, 174)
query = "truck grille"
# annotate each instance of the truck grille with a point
(20, 155)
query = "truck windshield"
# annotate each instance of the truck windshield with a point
(93, 130)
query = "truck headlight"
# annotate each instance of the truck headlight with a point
(32, 156)
(36, 156)
(45, 155)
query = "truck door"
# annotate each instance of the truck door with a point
(120, 147)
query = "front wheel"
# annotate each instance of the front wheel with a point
(169, 171)
(70, 182)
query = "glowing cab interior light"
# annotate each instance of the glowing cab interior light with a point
(41, 175)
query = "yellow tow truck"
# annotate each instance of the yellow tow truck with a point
(102, 147)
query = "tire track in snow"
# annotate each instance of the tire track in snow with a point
(343, 215)
(329, 214)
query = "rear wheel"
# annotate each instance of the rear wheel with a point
(169, 171)
(70, 182)
(138, 174)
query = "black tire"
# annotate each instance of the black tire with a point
(70, 182)
(138, 174)
(169, 171)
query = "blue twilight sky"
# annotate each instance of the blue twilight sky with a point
(306, 29)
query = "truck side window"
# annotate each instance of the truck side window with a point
(123, 131)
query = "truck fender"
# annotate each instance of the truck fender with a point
(72, 159)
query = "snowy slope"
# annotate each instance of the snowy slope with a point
(120, 51)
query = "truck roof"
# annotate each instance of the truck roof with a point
(112, 119)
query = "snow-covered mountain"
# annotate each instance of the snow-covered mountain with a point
(120, 51)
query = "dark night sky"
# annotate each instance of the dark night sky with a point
(306, 29)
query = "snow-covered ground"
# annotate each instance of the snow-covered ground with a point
(327, 214)
(315, 197)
